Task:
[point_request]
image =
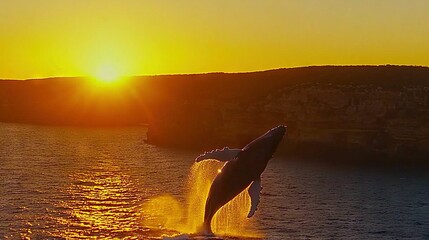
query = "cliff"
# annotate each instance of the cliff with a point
(353, 111)
(358, 112)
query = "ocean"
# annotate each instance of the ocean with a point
(107, 183)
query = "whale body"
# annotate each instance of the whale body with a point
(243, 167)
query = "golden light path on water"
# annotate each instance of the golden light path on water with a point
(103, 200)
(165, 212)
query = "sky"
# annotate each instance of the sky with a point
(44, 38)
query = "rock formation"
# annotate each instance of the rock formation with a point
(361, 111)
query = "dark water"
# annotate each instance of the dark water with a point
(94, 183)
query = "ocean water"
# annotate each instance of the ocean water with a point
(80, 183)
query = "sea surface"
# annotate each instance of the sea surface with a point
(79, 183)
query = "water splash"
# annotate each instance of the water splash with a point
(165, 212)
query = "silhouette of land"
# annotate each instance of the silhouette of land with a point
(365, 110)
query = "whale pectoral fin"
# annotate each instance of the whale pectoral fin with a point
(254, 191)
(223, 155)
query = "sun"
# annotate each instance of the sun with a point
(107, 74)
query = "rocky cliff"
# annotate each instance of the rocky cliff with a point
(352, 111)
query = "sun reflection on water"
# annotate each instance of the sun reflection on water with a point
(102, 200)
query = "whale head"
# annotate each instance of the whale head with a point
(269, 141)
(276, 133)
(275, 136)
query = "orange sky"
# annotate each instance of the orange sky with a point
(41, 38)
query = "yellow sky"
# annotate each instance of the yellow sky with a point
(41, 38)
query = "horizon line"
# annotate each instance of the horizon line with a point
(221, 72)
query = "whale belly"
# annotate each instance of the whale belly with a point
(226, 185)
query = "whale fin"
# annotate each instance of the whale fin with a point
(223, 155)
(254, 191)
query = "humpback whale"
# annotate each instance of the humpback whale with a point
(243, 167)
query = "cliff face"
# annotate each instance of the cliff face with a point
(365, 117)
(354, 117)
(331, 118)
(361, 111)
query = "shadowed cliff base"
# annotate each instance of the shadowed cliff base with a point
(362, 112)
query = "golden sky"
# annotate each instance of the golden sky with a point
(41, 38)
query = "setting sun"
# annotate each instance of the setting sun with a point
(221, 119)
(107, 74)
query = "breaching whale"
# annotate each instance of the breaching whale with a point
(242, 168)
